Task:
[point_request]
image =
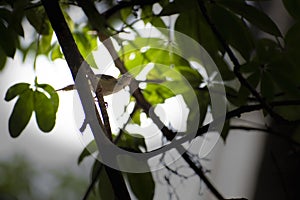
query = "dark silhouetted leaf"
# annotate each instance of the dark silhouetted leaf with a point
(267, 86)
(104, 186)
(2, 59)
(238, 37)
(132, 141)
(87, 151)
(225, 130)
(267, 50)
(37, 17)
(142, 185)
(293, 7)
(8, 40)
(44, 111)
(169, 9)
(253, 15)
(52, 93)
(21, 113)
(16, 90)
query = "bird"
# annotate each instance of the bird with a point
(109, 83)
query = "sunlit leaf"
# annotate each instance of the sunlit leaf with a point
(146, 13)
(56, 52)
(125, 12)
(156, 94)
(136, 117)
(45, 43)
(21, 113)
(86, 41)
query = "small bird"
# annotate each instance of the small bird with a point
(109, 84)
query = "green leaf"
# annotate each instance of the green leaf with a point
(203, 102)
(225, 130)
(87, 151)
(226, 72)
(105, 188)
(244, 92)
(5, 14)
(267, 86)
(142, 185)
(45, 43)
(54, 99)
(56, 52)
(44, 111)
(125, 12)
(195, 26)
(37, 17)
(191, 75)
(16, 90)
(292, 39)
(238, 37)
(169, 9)
(85, 41)
(253, 15)
(2, 59)
(158, 22)
(136, 118)
(267, 50)
(146, 13)
(233, 96)
(132, 141)
(8, 41)
(21, 113)
(96, 168)
(156, 94)
(17, 16)
(293, 7)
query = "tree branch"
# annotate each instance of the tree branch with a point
(75, 61)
